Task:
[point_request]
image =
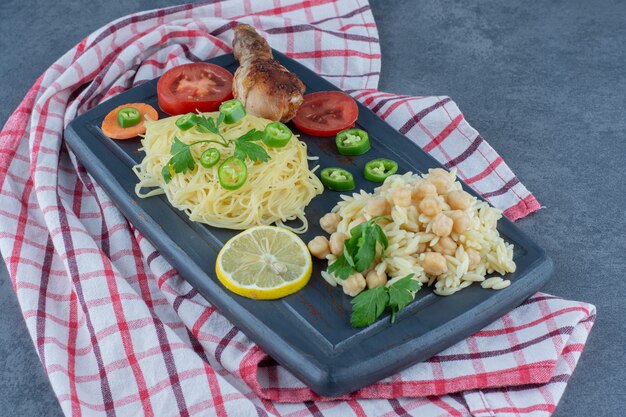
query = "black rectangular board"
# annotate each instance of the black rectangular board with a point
(309, 332)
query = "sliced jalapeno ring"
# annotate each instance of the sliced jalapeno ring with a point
(232, 173)
(128, 117)
(337, 179)
(210, 157)
(187, 121)
(276, 135)
(233, 111)
(353, 142)
(378, 170)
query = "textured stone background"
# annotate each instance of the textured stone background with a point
(544, 83)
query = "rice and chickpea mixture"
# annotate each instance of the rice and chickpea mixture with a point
(436, 231)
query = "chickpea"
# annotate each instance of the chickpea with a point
(430, 206)
(368, 270)
(445, 246)
(379, 256)
(402, 197)
(474, 258)
(374, 279)
(424, 189)
(329, 222)
(461, 221)
(354, 284)
(435, 264)
(458, 200)
(336, 243)
(441, 184)
(319, 247)
(378, 206)
(442, 225)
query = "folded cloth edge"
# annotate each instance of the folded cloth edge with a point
(532, 374)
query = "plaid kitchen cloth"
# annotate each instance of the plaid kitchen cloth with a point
(119, 333)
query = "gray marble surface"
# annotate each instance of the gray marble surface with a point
(544, 83)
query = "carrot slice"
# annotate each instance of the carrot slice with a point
(112, 128)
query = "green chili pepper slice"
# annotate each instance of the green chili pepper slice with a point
(233, 111)
(378, 170)
(353, 142)
(210, 157)
(128, 117)
(276, 135)
(232, 173)
(337, 179)
(186, 121)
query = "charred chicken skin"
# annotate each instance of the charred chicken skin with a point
(264, 86)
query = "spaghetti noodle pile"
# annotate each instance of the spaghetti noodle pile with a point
(276, 191)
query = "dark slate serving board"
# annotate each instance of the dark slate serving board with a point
(309, 332)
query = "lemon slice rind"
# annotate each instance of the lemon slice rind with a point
(253, 290)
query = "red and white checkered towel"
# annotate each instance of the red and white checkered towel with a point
(120, 333)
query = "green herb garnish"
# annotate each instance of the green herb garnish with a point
(370, 304)
(182, 159)
(401, 294)
(360, 250)
(208, 125)
(245, 147)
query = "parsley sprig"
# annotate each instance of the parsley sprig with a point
(370, 304)
(358, 255)
(182, 159)
(360, 250)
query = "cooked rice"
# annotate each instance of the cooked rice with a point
(410, 228)
(495, 283)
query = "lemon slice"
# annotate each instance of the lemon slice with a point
(264, 263)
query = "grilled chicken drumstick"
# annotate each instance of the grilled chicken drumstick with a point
(265, 87)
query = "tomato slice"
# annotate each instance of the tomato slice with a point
(190, 87)
(326, 113)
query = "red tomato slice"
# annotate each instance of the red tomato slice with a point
(190, 87)
(326, 113)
